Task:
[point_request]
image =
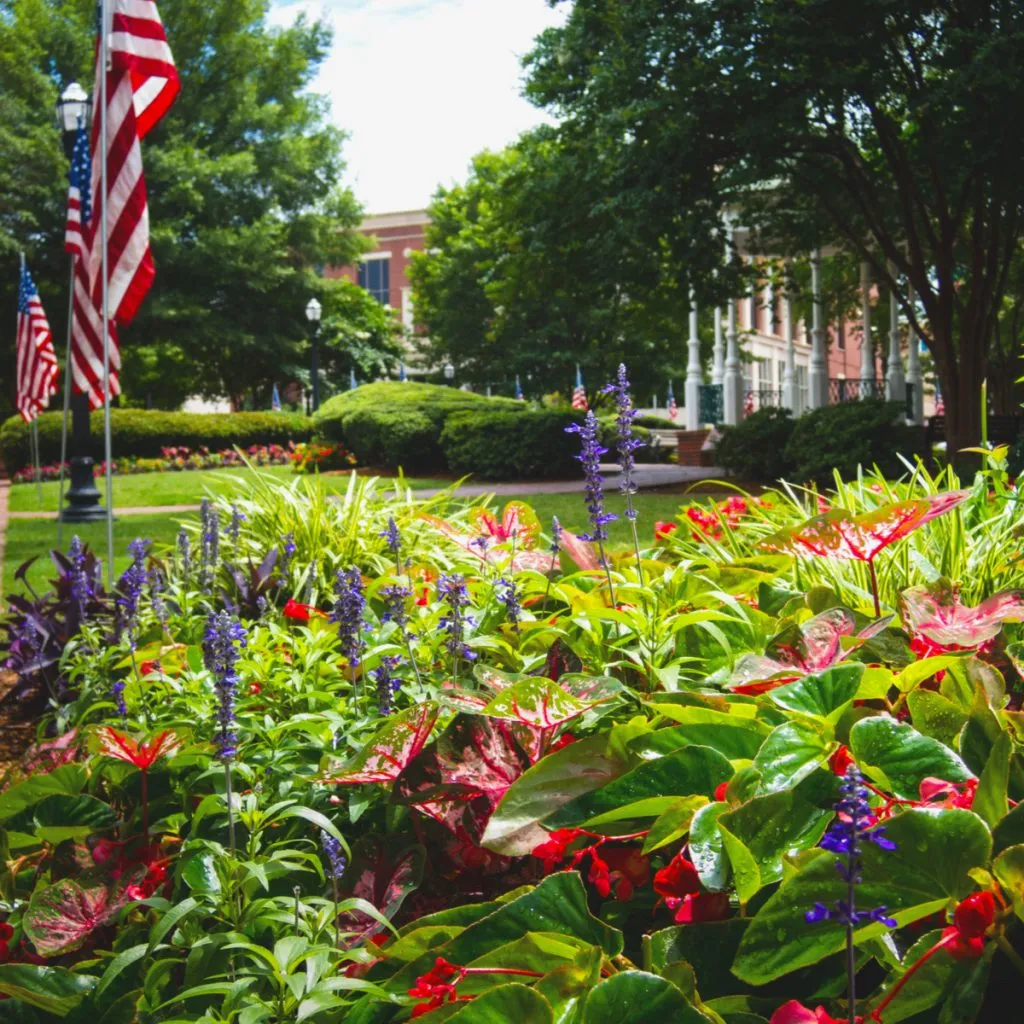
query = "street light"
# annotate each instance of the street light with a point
(449, 372)
(73, 108)
(313, 311)
(83, 499)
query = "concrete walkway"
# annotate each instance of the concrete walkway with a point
(647, 477)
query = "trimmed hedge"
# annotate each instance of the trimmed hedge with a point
(770, 445)
(512, 446)
(400, 424)
(141, 433)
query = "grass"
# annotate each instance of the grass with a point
(28, 537)
(146, 490)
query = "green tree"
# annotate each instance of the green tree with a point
(891, 128)
(525, 278)
(244, 186)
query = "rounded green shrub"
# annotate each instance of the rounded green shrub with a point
(405, 438)
(755, 449)
(143, 433)
(512, 446)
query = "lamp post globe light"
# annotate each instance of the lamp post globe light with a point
(83, 498)
(449, 371)
(313, 312)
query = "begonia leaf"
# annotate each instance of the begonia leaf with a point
(636, 997)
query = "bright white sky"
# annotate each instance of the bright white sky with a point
(423, 85)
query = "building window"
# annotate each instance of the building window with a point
(375, 277)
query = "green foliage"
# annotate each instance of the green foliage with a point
(755, 449)
(141, 434)
(840, 438)
(511, 446)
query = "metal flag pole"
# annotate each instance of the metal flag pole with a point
(35, 461)
(67, 409)
(105, 313)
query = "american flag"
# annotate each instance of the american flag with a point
(275, 400)
(519, 390)
(79, 195)
(673, 409)
(141, 85)
(37, 360)
(579, 396)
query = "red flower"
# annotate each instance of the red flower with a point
(141, 754)
(939, 793)
(149, 667)
(796, 1013)
(680, 885)
(437, 986)
(965, 938)
(720, 790)
(424, 599)
(662, 531)
(106, 850)
(255, 688)
(299, 612)
(6, 931)
(555, 848)
(841, 760)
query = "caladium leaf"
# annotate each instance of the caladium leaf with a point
(62, 916)
(518, 521)
(840, 534)
(934, 613)
(541, 704)
(393, 747)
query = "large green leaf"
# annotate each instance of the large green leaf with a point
(706, 849)
(686, 772)
(53, 989)
(636, 997)
(990, 800)
(912, 881)
(823, 695)
(567, 986)
(499, 1005)
(1010, 831)
(935, 715)
(895, 755)
(674, 822)
(61, 817)
(514, 827)
(709, 948)
(67, 779)
(737, 736)
(929, 985)
(791, 753)
(767, 828)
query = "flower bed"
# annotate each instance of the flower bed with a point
(376, 759)
(305, 458)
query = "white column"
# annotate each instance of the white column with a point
(789, 396)
(694, 372)
(718, 360)
(914, 370)
(732, 379)
(754, 302)
(817, 374)
(867, 350)
(895, 383)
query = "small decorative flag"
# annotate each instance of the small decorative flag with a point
(37, 360)
(275, 400)
(673, 409)
(579, 396)
(748, 403)
(401, 372)
(940, 404)
(519, 390)
(352, 382)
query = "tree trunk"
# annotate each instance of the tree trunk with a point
(961, 377)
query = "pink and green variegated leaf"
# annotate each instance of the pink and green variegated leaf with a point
(531, 561)
(935, 612)
(815, 644)
(538, 704)
(397, 743)
(463, 700)
(840, 534)
(494, 680)
(580, 551)
(62, 916)
(590, 689)
(561, 660)
(518, 520)
(754, 674)
(382, 880)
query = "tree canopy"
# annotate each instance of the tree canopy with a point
(244, 180)
(889, 129)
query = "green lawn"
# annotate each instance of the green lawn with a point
(28, 537)
(145, 490)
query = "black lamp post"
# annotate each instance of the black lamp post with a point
(313, 311)
(83, 499)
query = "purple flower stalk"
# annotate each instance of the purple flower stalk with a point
(387, 684)
(590, 457)
(129, 590)
(395, 595)
(626, 443)
(392, 536)
(82, 588)
(235, 526)
(452, 591)
(349, 606)
(157, 586)
(222, 647)
(184, 557)
(556, 538)
(209, 553)
(507, 592)
(854, 826)
(336, 859)
(288, 550)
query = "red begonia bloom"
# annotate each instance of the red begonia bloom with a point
(841, 760)
(300, 612)
(662, 531)
(141, 754)
(939, 793)
(965, 938)
(679, 883)
(554, 849)
(796, 1013)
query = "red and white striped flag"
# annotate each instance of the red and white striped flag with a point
(673, 409)
(579, 395)
(37, 360)
(142, 82)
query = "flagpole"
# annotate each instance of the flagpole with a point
(38, 471)
(67, 409)
(105, 313)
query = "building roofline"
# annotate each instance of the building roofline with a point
(395, 219)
